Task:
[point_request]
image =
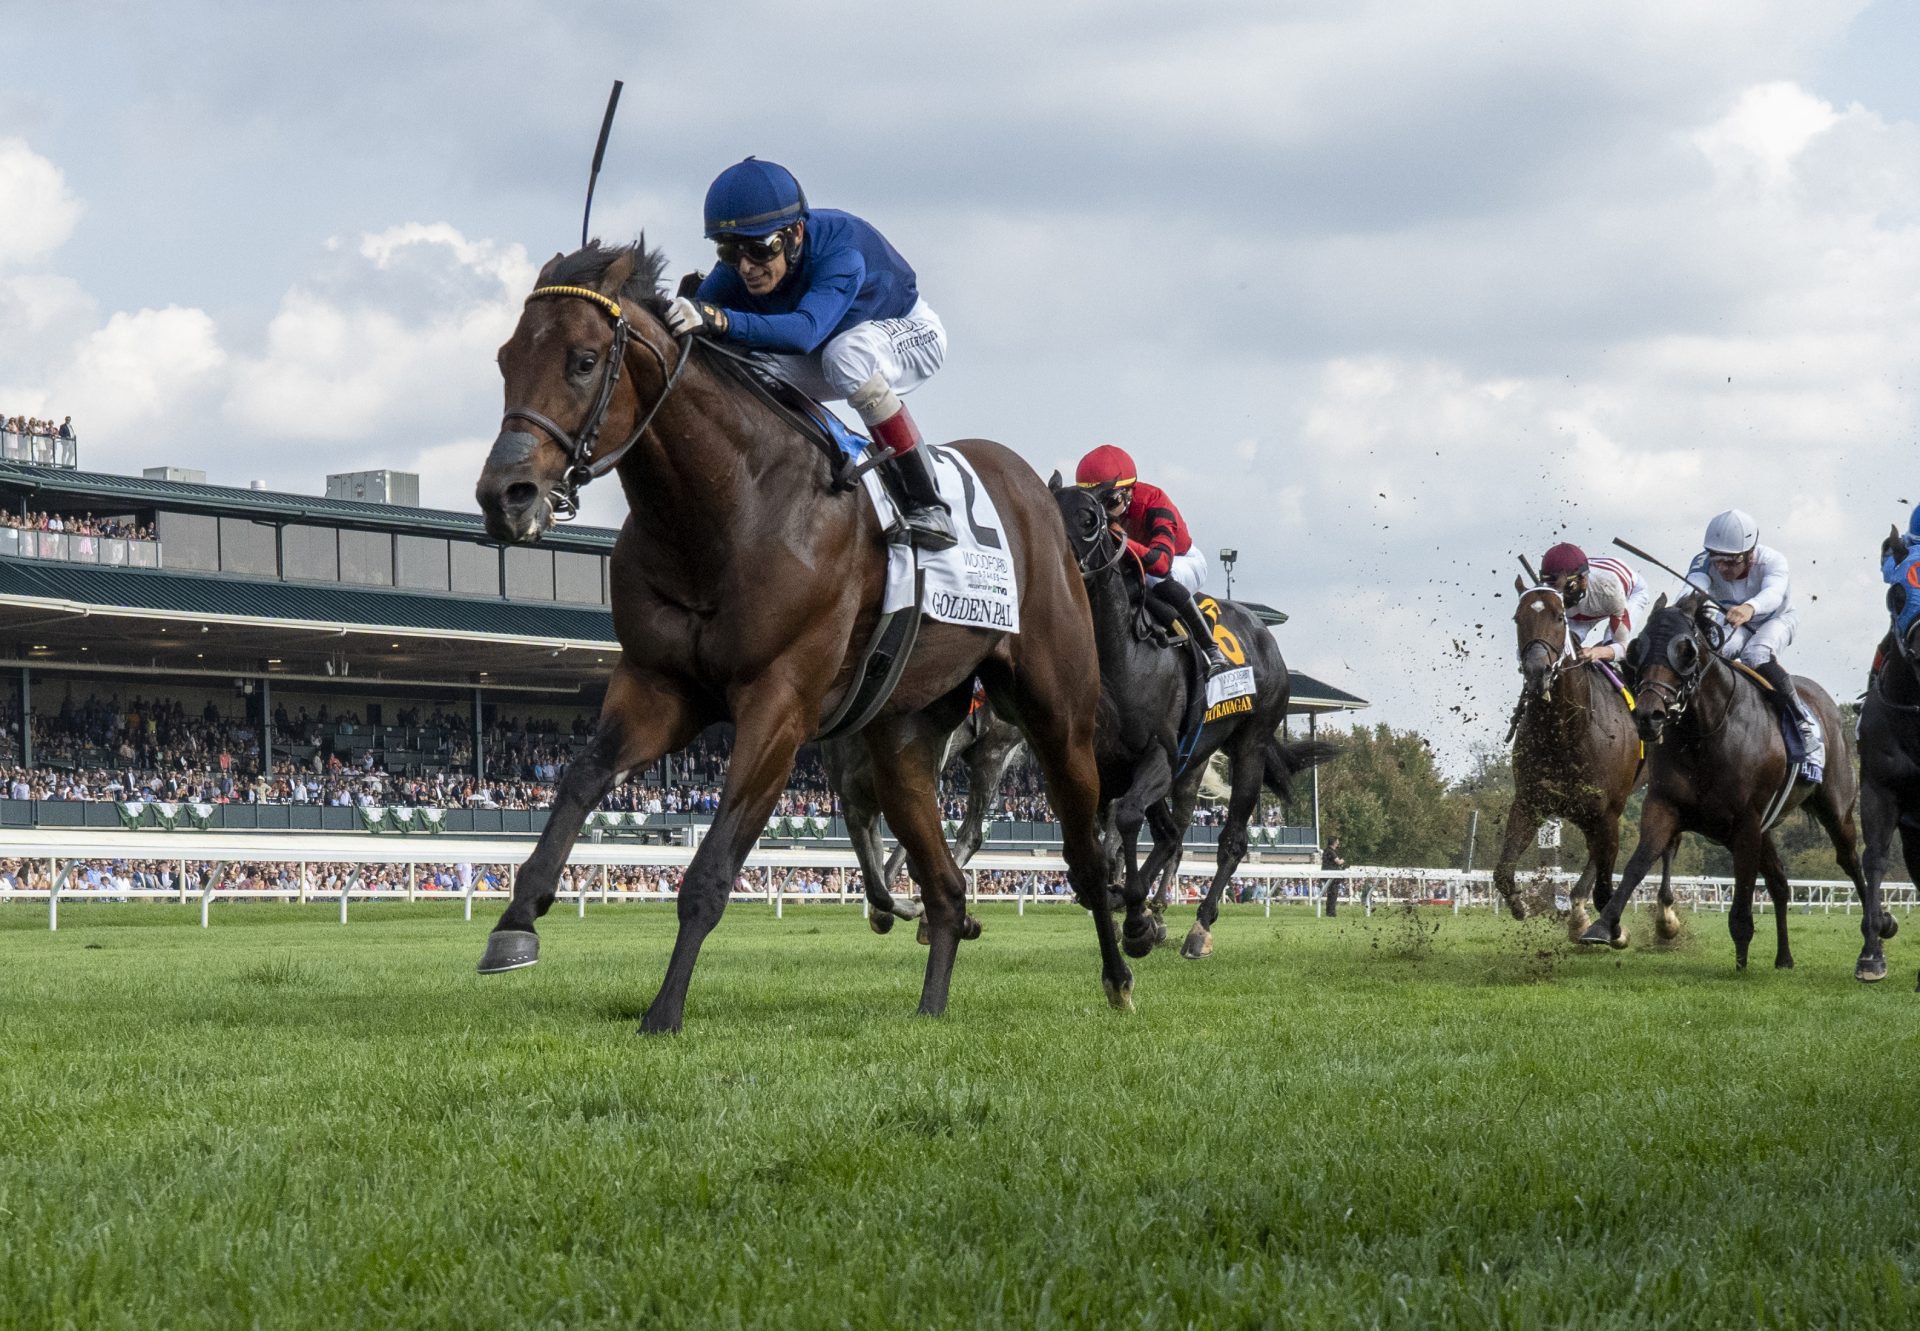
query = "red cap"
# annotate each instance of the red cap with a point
(1106, 465)
(1563, 559)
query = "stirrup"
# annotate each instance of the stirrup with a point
(1216, 662)
(931, 528)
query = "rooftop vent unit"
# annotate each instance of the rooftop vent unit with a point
(376, 487)
(184, 475)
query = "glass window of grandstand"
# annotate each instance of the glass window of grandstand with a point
(421, 562)
(310, 554)
(190, 540)
(248, 547)
(576, 578)
(366, 558)
(475, 568)
(529, 574)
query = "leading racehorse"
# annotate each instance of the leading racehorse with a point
(1719, 767)
(1890, 768)
(744, 588)
(1575, 756)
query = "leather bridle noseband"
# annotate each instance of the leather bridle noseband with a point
(1087, 571)
(582, 463)
(1564, 656)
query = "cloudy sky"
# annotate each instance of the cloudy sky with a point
(1383, 293)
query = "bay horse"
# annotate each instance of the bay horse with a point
(1889, 775)
(988, 747)
(1718, 766)
(1576, 755)
(744, 587)
(1146, 698)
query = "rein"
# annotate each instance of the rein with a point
(1089, 573)
(583, 465)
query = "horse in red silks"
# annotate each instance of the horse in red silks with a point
(745, 587)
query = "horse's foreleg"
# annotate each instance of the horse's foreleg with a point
(1163, 862)
(639, 721)
(1749, 849)
(1152, 783)
(1879, 816)
(1781, 892)
(1523, 821)
(1659, 828)
(770, 722)
(853, 774)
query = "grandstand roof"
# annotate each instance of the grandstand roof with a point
(59, 488)
(1316, 695)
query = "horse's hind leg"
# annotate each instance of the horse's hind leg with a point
(1247, 771)
(852, 773)
(1152, 782)
(639, 721)
(1781, 893)
(1667, 922)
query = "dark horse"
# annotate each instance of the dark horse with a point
(1146, 693)
(985, 743)
(1576, 755)
(1889, 775)
(744, 589)
(1718, 767)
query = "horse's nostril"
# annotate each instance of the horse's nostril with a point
(519, 495)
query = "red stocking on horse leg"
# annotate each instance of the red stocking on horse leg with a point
(770, 722)
(639, 721)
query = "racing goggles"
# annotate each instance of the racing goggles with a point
(1731, 563)
(754, 249)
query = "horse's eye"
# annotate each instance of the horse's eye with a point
(584, 361)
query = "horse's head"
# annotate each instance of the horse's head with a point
(568, 402)
(1540, 627)
(1903, 597)
(1673, 653)
(1084, 513)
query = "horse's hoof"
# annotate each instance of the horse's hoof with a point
(509, 950)
(907, 910)
(1888, 925)
(1871, 970)
(923, 935)
(1783, 963)
(663, 1026)
(1618, 942)
(880, 921)
(1159, 923)
(1667, 924)
(1578, 921)
(1515, 907)
(1137, 945)
(969, 928)
(1596, 935)
(1199, 943)
(1119, 996)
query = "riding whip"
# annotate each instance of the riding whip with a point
(599, 154)
(1532, 577)
(1637, 551)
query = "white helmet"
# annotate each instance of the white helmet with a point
(1732, 533)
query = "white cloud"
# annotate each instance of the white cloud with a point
(37, 211)
(1765, 131)
(139, 368)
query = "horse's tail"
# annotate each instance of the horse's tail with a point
(1286, 761)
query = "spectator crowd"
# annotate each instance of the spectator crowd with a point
(83, 525)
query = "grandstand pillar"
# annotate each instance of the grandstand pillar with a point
(26, 717)
(479, 742)
(1313, 733)
(266, 728)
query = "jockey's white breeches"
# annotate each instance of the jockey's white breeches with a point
(1755, 644)
(1189, 570)
(907, 352)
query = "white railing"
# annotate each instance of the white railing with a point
(75, 548)
(40, 450)
(205, 869)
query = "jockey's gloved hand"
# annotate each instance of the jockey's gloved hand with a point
(695, 316)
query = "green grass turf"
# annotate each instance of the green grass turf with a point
(281, 1122)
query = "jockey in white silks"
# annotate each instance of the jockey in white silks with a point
(1606, 601)
(1750, 582)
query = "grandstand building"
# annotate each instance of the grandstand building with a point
(317, 634)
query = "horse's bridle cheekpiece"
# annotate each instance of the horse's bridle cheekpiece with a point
(582, 464)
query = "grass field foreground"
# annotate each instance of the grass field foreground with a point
(1403, 1120)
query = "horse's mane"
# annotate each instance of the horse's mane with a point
(586, 267)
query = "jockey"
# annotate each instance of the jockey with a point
(1606, 600)
(1749, 581)
(1175, 567)
(837, 310)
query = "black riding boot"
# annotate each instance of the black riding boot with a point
(928, 522)
(1173, 594)
(1787, 699)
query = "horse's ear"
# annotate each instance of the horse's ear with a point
(1054, 482)
(617, 274)
(547, 271)
(1518, 585)
(1660, 604)
(1895, 544)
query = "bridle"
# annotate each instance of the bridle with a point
(582, 463)
(1680, 697)
(1563, 654)
(1087, 570)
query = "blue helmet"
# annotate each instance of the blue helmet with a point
(753, 198)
